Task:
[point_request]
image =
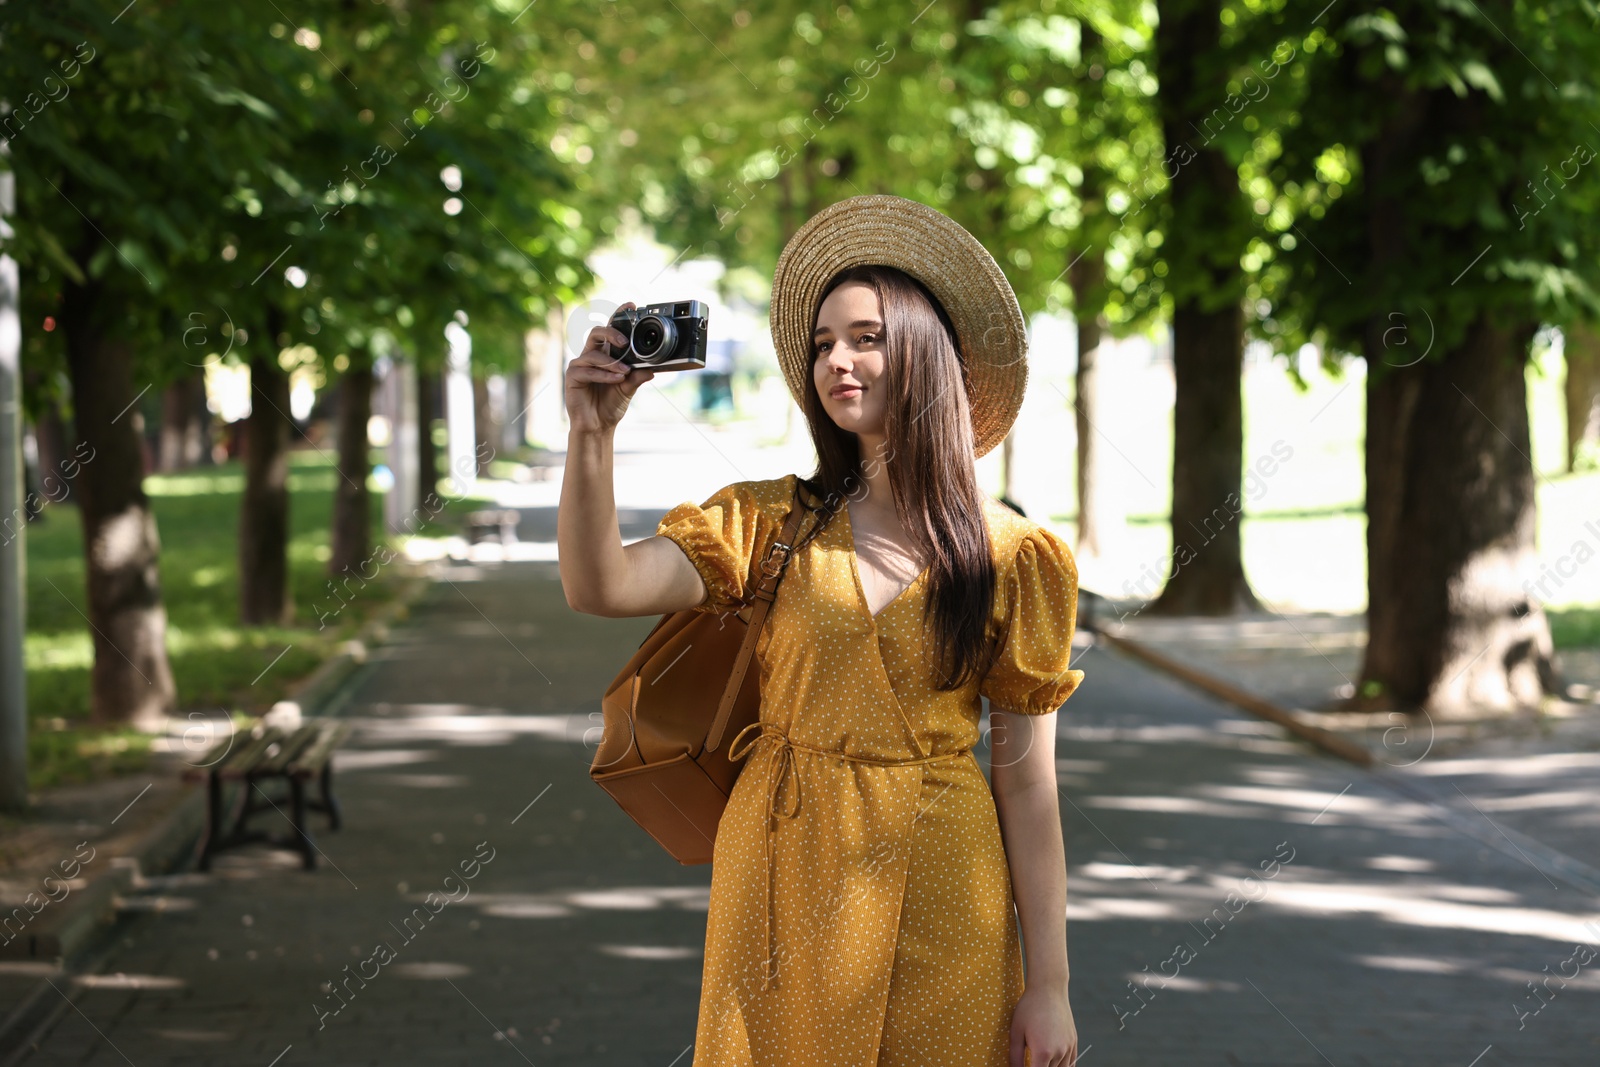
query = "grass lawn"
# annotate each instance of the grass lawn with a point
(1575, 627)
(217, 664)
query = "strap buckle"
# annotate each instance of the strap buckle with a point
(779, 552)
(772, 568)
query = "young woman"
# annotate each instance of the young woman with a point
(868, 881)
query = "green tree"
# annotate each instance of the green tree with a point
(1208, 229)
(1461, 143)
(430, 192)
(1033, 125)
(1080, 154)
(125, 151)
(232, 151)
(787, 109)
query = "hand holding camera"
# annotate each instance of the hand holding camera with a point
(663, 336)
(619, 357)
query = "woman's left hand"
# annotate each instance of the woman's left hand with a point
(1042, 1024)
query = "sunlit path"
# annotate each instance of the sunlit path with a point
(1268, 906)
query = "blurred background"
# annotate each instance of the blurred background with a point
(287, 291)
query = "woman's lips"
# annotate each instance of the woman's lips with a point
(844, 392)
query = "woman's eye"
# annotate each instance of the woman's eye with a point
(867, 339)
(822, 347)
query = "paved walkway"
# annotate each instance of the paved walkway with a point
(1360, 930)
(1535, 771)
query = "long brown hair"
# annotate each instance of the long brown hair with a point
(928, 427)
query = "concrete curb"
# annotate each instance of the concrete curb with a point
(1262, 708)
(1511, 843)
(83, 914)
(170, 845)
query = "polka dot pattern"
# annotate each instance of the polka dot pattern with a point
(861, 909)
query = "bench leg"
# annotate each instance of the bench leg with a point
(213, 818)
(297, 800)
(329, 802)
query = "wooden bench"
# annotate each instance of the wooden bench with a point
(503, 520)
(293, 756)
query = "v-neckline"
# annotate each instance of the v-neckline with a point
(855, 573)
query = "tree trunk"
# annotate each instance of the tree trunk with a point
(1008, 467)
(1392, 393)
(1207, 575)
(484, 426)
(352, 513)
(1086, 276)
(1454, 620)
(55, 453)
(182, 431)
(205, 438)
(1394, 383)
(131, 681)
(174, 415)
(264, 511)
(1582, 386)
(513, 398)
(427, 452)
(1210, 231)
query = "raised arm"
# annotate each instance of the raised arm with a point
(599, 574)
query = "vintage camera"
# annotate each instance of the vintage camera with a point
(663, 336)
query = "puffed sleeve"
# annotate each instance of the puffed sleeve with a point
(719, 536)
(1031, 674)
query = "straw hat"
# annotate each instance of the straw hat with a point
(935, 250)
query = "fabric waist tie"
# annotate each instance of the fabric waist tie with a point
(783, 766)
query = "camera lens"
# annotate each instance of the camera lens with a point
(654, 338)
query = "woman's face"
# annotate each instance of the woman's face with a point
(849, 358)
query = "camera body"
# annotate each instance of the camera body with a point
(663, 336)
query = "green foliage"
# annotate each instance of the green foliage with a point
(120, 182)
(1445, 167)
(1228, 84)
(1428, 160)
(1078, 147)
(201, 151)
(437, 191)
(724, 127)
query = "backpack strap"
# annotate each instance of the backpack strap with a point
(761, 596)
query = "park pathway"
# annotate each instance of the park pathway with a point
(1234, 898)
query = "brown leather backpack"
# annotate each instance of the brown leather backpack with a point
(661, 756)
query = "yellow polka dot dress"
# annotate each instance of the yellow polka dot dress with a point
(861, 909)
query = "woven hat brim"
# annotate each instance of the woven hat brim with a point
(937, 251)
